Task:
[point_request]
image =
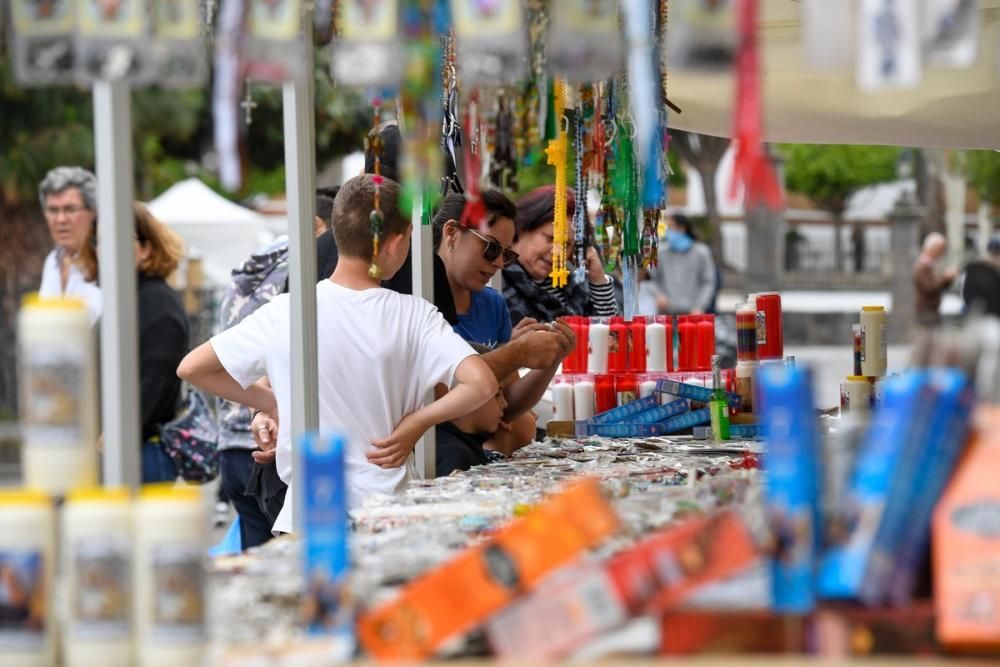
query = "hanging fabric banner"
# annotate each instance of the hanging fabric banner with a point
(43, 39)
(584, 40)
(951, 33)
(112, 41)
(275, 50)
(888, 45)
(752, 167)
(367, 50)
(180, 59)
(702, 35)
(227, 83)
(491, 41)
(828, 34)
(644, 95)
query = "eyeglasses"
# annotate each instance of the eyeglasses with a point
(493, 248)
(68, 211)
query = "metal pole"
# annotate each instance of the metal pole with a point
(423, 286)
(300, 190)
(116, 254)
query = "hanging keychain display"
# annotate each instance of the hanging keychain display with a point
(112, 41)
(178, 49)
(491, 41)
(580, 195)
(43, 39)
(503, 163)
(367, 50)
(557, 156)
(584, 40)
(451, 127)
(373, 145)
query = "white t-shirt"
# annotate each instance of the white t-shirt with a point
(76, 286)
(379, 354)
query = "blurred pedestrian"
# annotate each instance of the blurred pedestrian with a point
(686, 273)
(69, 201)
(930, 280)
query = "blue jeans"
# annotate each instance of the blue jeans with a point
(235, 466)
(157, 466)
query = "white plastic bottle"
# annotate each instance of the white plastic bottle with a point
(58, 406)
(27, 564)
(97, 566)
(169, 529)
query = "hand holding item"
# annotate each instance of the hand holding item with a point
(525, 326)
(264, 428)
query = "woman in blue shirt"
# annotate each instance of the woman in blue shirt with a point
(472, 252)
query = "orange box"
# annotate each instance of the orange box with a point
(662, 571)
(966, 543)
(480, 581)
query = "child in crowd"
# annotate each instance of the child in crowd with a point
(379, 354)
(460, 442)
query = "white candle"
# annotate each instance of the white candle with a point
(647, 388)
(597, 359)
(656, 347)
(583, 400)
(562, 402)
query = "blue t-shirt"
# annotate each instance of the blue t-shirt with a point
(488, 320)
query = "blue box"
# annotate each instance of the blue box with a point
(321, 483)
(792, 462)
(624, 412)
(663, 412)
(894, 425)
(694, 392)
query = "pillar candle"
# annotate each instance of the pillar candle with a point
(562, 402)
(656, 347)
(583, 400)
(597, 361)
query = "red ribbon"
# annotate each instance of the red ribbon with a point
(752, 166)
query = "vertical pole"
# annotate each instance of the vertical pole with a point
(423, 286)
(116, 254)
(300, 190)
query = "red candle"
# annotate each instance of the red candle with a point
(618, 346)
(569, 364)
(637, 345)
(583, 344)
(626, 388)
(604, 392)
(706, 342)
(770, 337)
(687, 361)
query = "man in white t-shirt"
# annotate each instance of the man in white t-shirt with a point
(379, 354)
(69, 200)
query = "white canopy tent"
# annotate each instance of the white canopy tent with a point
(951, 108)
(222, 234)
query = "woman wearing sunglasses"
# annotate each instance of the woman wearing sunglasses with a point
(527, 286)
(471, 255)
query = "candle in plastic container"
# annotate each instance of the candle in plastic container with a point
(27, 552)
(656, 347)
(618, 346)
(562, 402)
(169, 580)
(597, 361)
(646, 388)
(605, 397)
(97, 562)
(583, 400)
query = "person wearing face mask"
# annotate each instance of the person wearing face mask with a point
(527, 286)
(69, 201)
(930, 281)
(686, 273)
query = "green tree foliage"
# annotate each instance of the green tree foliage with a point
(830, 174)
(983, 169)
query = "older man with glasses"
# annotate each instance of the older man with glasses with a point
(69, 200)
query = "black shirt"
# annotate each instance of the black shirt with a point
(163, 342)
(458, 450)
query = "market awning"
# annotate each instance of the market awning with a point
(957, 108)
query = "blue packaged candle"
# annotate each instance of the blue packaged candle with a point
(625, 412)
(686, 420)
(693, 392)
(321, 484)
(792, 471)
(746, 431)
(895, 424)
(897, 560)
(662, 412)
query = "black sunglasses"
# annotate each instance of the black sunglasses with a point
(493, 248)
